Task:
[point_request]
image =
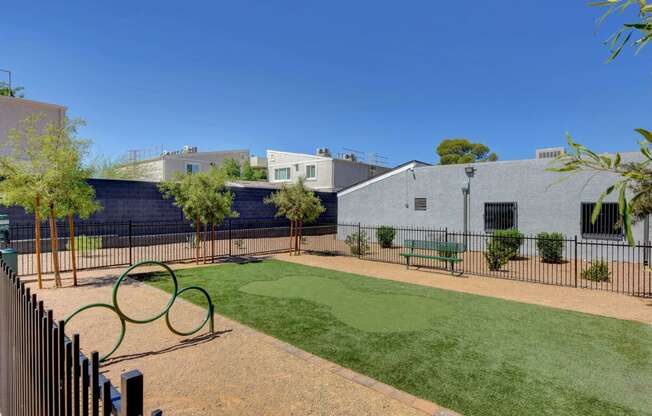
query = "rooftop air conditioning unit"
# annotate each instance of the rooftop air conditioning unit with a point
(351, 157)
(323, 151)
(550, 152)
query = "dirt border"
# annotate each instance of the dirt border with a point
(590, 301)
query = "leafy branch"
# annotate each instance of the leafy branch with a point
(634, 176)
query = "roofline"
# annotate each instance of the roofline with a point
(180, 155)
(299, 154)
(398, 169)
(324, 157)
(37, 103)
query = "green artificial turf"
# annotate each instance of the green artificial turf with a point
(476, 355)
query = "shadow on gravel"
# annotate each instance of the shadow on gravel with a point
(184, 343)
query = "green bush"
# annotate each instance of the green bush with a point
(358, 243)
(497, 254)
(84, 244)
(551, 247)
(385, 236)
(510, 241)
(597, 272)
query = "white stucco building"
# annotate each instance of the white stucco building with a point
(321, 172)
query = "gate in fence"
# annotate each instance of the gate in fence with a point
(43, 372)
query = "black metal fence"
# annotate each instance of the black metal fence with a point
(43, 372)
(101, 245)
(596, 264)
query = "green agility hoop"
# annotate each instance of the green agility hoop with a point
(209, 314)
(123, 325)
(166, 310)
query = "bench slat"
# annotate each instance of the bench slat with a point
(423, 256)
(435, 246)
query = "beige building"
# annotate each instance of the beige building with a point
(13, 110)
(321, 171)
(188, 160)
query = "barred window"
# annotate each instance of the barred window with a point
(607, 225)
(420, 204)
(500, 216)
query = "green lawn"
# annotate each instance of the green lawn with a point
(476, 355)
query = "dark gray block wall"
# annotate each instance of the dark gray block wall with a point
(142, 201)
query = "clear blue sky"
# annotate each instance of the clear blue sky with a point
(391, 77)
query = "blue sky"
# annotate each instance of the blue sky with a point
(390, 77)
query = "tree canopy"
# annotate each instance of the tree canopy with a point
(231, 168)
(201, 196)
(7, 91)
(635, 177)
(42, 172)
(296, 203)
(636, 33)
(457, 151)
(251, 174)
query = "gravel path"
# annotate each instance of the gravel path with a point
(236, 372)
(582, 300)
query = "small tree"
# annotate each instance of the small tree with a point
(181, 188)
(216, 202)
(202, 198)
(40, 158)
(634, 177)
(251, 174)
(298, 205)
(77, 199)
(231, 168)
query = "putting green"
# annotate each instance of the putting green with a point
(366, 311)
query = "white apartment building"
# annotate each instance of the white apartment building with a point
(187, 160)
(321, 171)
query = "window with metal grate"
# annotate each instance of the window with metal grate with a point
(500, 216)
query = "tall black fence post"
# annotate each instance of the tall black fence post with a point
(229, 237)
(131, 387)
(359, 241)
(131, 261)
(575, 260)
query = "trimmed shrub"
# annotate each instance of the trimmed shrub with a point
(551, 247)
(358, 243)
(85, 244)
(597, 272)
(510, 241)
(385, 236)
(497, 254)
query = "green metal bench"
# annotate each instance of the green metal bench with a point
(451, 249)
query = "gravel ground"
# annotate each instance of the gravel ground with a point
(582, 300)
(236, 372)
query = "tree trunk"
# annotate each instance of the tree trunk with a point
(54, 249)
(203, 244)
(212, 242)
(73, 253)
(198, 226)
(291, 234)
(299, 230)
(37, 241)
